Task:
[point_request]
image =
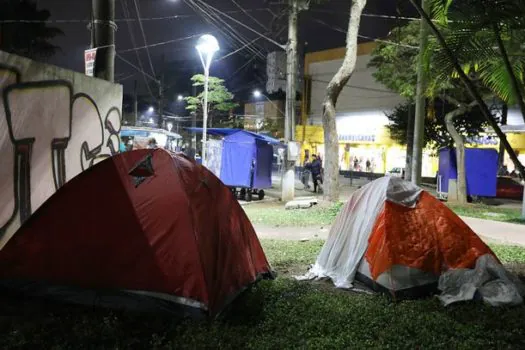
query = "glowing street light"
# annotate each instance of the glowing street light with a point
(207, 46)
(151, 109)
(257, 94)
(180, 98)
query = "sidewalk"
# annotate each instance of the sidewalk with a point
(497, 232)
(489, 232)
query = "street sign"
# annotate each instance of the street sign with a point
(89, 60)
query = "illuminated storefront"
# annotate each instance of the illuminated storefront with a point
(364, 141)
(356, 151)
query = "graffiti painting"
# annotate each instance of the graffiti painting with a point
(48, 135)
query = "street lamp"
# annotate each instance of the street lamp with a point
(180, 98)
(207, 46)
(256, 94)
(151, 109)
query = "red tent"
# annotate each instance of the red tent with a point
(142, 230)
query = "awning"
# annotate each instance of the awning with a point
(227, 132)
(518, 129)
(136, 131)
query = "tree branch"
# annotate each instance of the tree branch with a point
(470, 87)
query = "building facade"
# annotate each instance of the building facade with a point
(364, 140)
(265, 116)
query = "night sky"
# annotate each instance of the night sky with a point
(316, 33)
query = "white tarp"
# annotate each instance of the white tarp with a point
(348, 239)
(489, 280)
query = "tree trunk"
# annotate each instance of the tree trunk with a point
(333, 90)
(516, 89)
(460, 151)
(504, 115)
(419, 119)
(410, 143)
(471, 88)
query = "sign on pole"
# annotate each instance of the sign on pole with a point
(89, 59)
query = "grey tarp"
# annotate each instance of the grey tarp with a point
(489, 280)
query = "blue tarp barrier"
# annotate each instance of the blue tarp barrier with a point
(481, 167)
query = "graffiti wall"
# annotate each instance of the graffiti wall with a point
(54, 124)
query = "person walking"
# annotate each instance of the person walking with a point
(315, 168)
(305, 178)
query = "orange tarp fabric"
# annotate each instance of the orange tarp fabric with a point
(429, 237)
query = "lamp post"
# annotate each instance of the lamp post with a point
(207, 46)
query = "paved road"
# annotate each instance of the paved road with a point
(489, 231)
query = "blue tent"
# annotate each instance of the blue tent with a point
(245, 153)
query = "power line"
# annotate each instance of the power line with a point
(126, 77)
(236, 51)
(372, 15)
(137, 68)
(161, 43)
(242, 39)
(248, 14)
(364, 36)
(359, 87)
(247, 27)
(212, 18)
(86, 21)
(144, 36)
(140, 69)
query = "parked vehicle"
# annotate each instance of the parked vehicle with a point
(396, 172)
(509, 188)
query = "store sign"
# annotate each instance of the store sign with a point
(357, 138)
(482, 140)
(89, 60)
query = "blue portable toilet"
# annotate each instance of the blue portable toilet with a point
(245, 159)
(481, 168)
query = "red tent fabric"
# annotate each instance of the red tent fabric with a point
(153, 228)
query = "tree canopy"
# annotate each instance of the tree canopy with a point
(32, 40)
(220, 100)
(481, 33)
(436, 135)
(396, 68)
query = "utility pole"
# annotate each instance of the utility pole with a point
(103, 28)
(288, 176)
(135, 104)
(194, 121)
(419, 123)
(160, 121)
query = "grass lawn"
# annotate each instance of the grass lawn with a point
(488, 212)
(274, 214)
(278, 314)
